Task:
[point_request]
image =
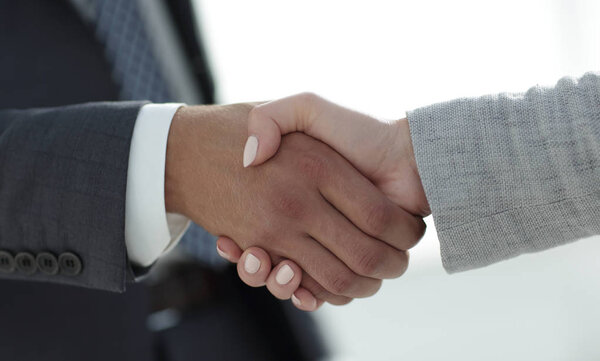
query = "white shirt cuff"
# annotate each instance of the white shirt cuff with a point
(149, 230)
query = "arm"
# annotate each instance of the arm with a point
(504, 174)
(74, 200)
(149, 230)
(308, 204)
(511, 173)
(62, 189)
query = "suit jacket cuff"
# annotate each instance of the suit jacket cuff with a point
(62, 190)
(149, 230)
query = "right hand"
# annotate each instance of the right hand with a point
(308, 204)
(380, 151)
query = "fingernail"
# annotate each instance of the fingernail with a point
(252, 264)
(284, 275)
(222, 254)
(250, 150)
(296, 301)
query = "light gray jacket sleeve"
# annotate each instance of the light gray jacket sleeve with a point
(511, 173)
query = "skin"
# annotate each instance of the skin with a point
(381, 151)
(307, 205)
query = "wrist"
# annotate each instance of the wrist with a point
(410, 173)
(405, 141)
(203, 140)
(174, 185)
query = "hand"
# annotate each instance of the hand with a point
(381, 151)
(307, 204)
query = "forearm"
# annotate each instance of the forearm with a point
(63, 184)
(511, 173)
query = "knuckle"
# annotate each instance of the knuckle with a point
(342, 283)
(318, 291)
(376, 287)
(378, 219)
(403, 267)
(419, 228)
(307, 98)
(369, 263)
(290, 206)
(312, 165)
(370, 288)
(401, 264)
(340, 301)
(310, 105)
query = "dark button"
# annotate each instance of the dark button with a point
(70, 264)
(25, 263)
(7, 262)
(47, 263)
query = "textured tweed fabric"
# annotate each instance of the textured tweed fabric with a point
(511, 173)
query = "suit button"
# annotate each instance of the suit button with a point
(47, 263)
(70, 264)
(7, 262)
(25, 263)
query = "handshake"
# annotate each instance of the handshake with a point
(317, 217)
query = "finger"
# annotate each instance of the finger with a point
(284, 279)
(254, 267)
(367, 207)
(301, 297)
(228, 249)
(362, 253)
(269, 121)
(266, 125)
(305, 296)
(320, 293)
(328, 270)
(304, 300)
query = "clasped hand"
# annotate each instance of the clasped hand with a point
(318, 217)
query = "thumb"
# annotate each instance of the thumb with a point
(268, 122)
(358, 137)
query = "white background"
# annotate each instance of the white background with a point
(382, 58)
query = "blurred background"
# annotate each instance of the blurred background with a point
(386, 57)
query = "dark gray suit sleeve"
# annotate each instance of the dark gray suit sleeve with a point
(63, 176)
(511, 173)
